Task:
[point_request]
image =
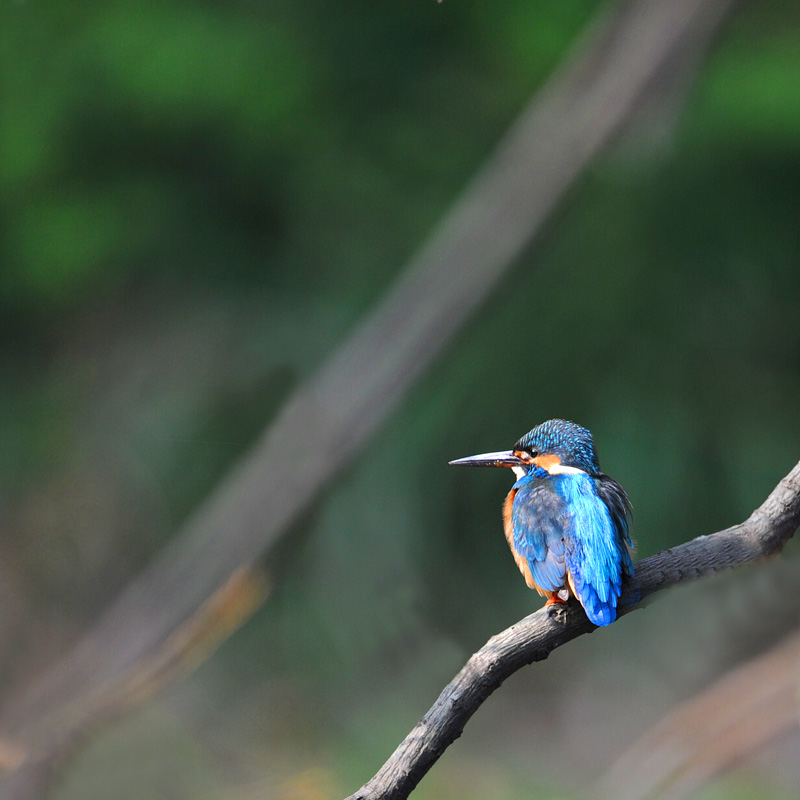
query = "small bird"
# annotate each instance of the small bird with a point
(567, 523)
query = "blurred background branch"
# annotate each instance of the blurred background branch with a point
(728, 722)
(181, 652)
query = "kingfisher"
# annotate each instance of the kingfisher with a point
(567, 523)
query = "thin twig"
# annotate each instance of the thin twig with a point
(763, 534)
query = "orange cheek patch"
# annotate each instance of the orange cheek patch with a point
(547, 462)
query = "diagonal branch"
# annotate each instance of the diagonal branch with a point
(533, 638)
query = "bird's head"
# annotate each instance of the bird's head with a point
(556, 446)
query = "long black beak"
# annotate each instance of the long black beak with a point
(503, 458)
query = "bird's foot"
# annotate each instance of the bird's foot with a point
(561, 596)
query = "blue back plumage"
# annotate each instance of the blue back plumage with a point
(596, 555)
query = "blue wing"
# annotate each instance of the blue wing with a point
(619, 506)
(540, 522)
(596, 554)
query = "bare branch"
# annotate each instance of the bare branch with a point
(763, 534)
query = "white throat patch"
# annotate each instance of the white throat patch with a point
(561, 469)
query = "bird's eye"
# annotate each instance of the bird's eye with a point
(533, 453)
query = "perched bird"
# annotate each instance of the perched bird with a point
(565, 521)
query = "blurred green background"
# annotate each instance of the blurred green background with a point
(197, 200)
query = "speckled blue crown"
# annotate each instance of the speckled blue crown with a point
(573, 444)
